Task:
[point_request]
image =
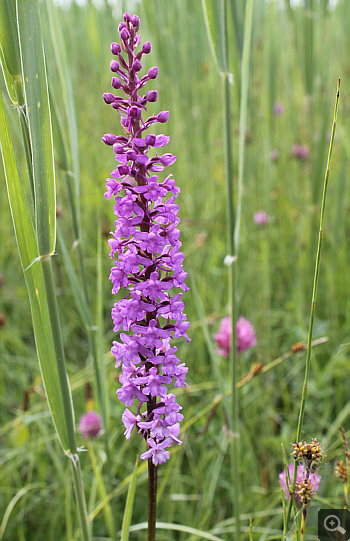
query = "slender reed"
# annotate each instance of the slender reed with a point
(230, 261)
(313, 302)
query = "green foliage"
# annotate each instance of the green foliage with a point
(275, 271)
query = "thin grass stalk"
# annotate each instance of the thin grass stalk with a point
(313, 302)
(234, 230)
(129, 504)
(233, 419)
(243, 116)
(103, 398)
(102, 490)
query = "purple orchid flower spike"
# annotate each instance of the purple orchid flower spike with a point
(145, 248)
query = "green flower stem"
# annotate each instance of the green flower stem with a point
(313, 302)
(72, 452)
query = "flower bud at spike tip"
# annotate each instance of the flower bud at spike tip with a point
(135, 21)
(108, 97)
(109, 139)
(146, 47)
(115, 48)
(116, 83)
(153, 72)
(163, 116)
(136, 65)
(152, 96)
(114, 65)
(147, 261)
(124, 34)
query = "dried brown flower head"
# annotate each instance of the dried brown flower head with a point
(340, 471)
(305, 491)
(309, 453)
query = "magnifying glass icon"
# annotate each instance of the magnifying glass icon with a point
(332, 524)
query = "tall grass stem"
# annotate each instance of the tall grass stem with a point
(314, 295)
(233, 418)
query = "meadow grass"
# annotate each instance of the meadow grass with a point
(274, 287)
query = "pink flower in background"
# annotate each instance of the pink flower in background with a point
(274, 155)
(278, 108)
(245, 336)
(314, 479)
(90, 425)
(261, 218)
(301, 152)
(223, 337)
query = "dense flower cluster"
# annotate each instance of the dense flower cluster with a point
(146, 249)
(245, 336)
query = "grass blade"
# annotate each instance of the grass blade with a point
(9, 82)
(213, 23)
(39, 120)
(29, 254)
(129, 505)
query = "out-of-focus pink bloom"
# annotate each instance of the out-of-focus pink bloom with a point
(314, 479)
(90, 425)
(245, 336)
(301, 152)
(223, 337)
(261, 218)
(278, 108)
(274, 155)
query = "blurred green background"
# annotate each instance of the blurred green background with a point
(298, 52)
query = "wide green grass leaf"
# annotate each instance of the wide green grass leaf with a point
(38, 114)
(30, 259)
(212, 10)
